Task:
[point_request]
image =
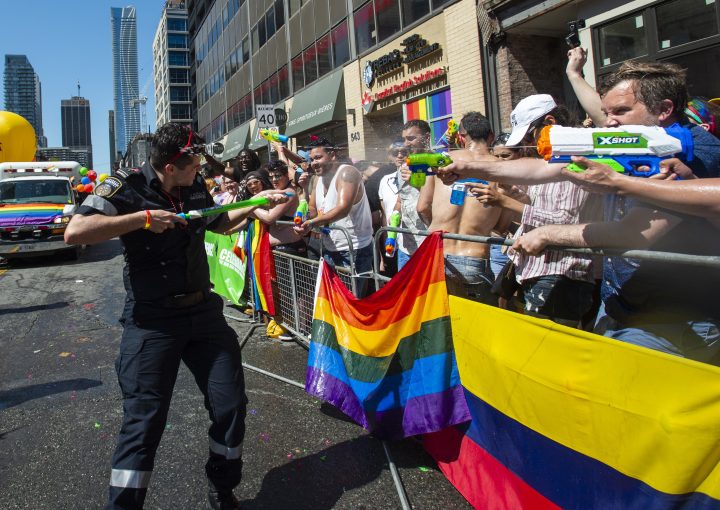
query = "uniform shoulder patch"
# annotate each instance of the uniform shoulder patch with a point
(127, 172)
(108, 187)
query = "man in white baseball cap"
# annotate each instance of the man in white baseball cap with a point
(528, 111)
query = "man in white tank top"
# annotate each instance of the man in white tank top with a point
(339, 200)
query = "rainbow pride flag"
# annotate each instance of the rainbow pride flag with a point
(256, 252)
(562, 418)
(387, 361)
(29, 214)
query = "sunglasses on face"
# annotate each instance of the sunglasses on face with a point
(396, 154)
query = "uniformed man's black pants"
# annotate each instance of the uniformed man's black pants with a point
(154, 341)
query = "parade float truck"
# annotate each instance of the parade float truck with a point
(37, 200)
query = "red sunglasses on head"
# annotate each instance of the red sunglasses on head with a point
(182, 151)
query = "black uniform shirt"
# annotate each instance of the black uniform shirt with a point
(157, 266)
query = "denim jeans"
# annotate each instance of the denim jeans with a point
(402, 259)
(497, 259)
(693, 339)
(558, 298)
(470, 278)
(363, 266)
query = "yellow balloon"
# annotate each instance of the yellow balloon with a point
(17, 138)
(102, 177)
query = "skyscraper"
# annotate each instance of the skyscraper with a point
(75, 118)
(171, 57)
(23, 93)
(123, 24)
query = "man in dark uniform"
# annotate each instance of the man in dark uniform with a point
(170, 314)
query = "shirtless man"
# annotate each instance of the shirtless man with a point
(467, 264)
(339, 199)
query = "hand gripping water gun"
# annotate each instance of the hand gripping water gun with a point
(391, 241)
(421, 166)
(301, 213)
(212, 211)
(449, 138)
(272, 136)
(624, 149)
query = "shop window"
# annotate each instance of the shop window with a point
(298, 73)
(283, 82)
(388, 18)
(413, 10)
(703, 71)
(340, 45)
(435, 109)
(684, 21)
(436, 4)
(622, 40)
(310, 64)
(365, 27)
(323, 55)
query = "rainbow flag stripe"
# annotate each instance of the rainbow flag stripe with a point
(562, 418)
(29, 214)
(387, 361)
(261, 266)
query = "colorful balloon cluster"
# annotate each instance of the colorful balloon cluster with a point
(89, 179)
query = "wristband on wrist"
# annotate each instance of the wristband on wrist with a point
(148, 220)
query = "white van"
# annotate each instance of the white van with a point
(37, 200)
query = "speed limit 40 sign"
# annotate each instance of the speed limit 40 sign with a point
(265, 115)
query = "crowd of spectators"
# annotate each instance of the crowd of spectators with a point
(512, 192)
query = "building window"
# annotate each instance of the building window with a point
(177, 25)
(684, 21)
(365, 28)
(323, 55)
(262, 33)
(279, 14)
(180, 111)
(283, 82)
(179, 94)
(298, 76)
(179, 76)
(245, 49)
(177, 58)
(255, 39)
(310, 64)
(622, 40)
(413, 10)
(439, 3)
(270, 22)
(177, 41)
(436, 109)
(388, 18)
(340, 45)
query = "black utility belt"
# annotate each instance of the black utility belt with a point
(185, 300)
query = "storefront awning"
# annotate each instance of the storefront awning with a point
(318, 104)
(236, 141)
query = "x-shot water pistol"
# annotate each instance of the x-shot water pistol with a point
(391, 241)
(301, 213)
(624, 149)
(421, 166)
(272, 136)
(449, 138)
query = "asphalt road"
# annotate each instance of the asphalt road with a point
(60, 410)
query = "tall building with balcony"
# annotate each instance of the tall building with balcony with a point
(75, 120)
(171, 65)
(123, 23)
(23, 93)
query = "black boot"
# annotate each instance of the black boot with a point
(222, 500)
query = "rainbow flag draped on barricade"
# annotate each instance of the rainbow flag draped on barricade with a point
(562, 418)
(254, 244)
(387, 361)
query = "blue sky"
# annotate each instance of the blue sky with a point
(67, 42)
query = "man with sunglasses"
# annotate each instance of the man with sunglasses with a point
(170, 315)
(416, 137)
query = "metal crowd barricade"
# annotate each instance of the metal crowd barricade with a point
(295, 288)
